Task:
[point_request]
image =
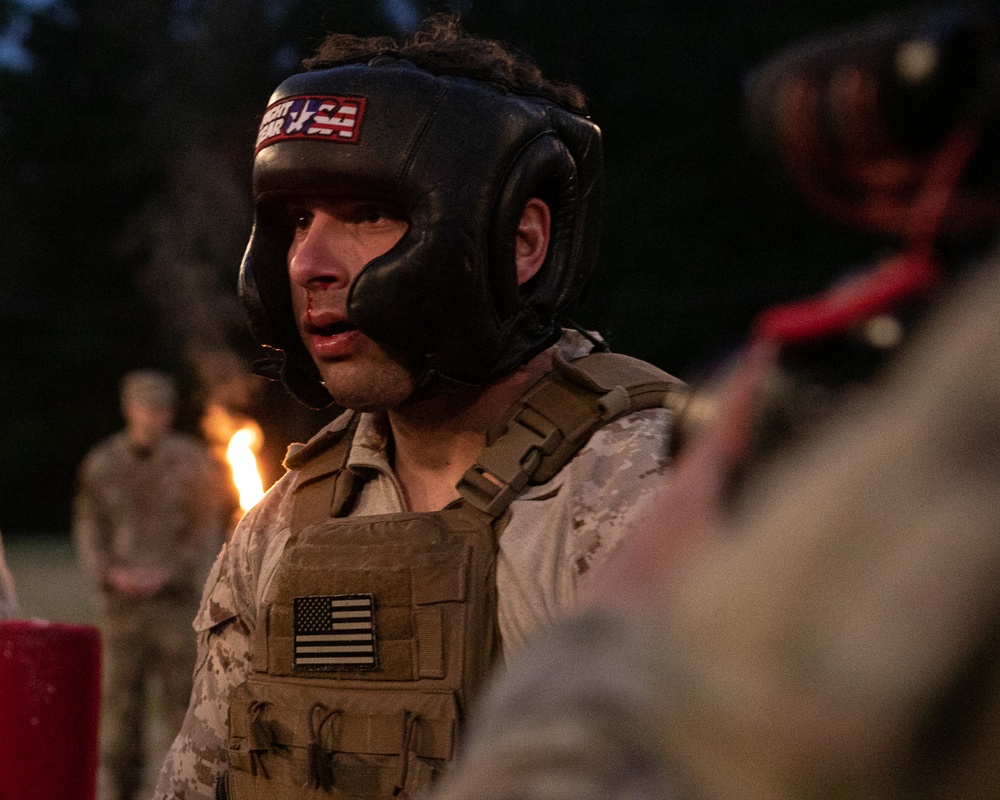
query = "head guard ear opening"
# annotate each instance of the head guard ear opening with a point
(547, 171)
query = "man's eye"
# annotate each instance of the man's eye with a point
(369, 214)
(299, 218)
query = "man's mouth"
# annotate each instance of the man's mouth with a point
(330, 336)
(329, 328)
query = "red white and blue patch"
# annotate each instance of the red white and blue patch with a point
(334, 632)
(323, 117)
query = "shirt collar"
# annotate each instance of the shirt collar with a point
(370, 448)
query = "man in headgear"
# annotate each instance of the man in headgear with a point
(426, 213)
(146, 519)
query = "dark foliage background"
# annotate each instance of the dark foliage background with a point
(125, 139)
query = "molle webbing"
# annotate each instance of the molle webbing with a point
(557, 417)
(374, 636)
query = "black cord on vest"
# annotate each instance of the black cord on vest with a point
(600, 346)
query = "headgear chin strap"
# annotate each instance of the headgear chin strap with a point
(461, 158)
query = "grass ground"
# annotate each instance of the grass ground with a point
(49, 583)
(51, 586)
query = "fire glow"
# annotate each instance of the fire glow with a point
(243, 462)
(236, 440)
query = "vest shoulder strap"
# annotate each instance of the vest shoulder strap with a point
(539, 435)
(556, 418)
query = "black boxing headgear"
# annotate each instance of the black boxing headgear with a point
(461, 158)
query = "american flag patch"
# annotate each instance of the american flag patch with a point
(332, 119)
(334, 632)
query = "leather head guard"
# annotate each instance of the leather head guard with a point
(461, 158)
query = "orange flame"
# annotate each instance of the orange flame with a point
(243, 462)
(237, 440)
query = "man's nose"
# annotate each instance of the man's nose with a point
(316, 259)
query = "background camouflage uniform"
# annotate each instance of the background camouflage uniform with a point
(139, 508)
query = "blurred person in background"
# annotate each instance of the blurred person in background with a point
(146, 523)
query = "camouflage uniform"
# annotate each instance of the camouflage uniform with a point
(145, 508)
(559, 532)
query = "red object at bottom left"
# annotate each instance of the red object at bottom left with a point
(50, 679)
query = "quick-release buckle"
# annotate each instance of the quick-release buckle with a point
(505, 467)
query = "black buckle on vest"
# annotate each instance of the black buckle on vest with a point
(505, 467)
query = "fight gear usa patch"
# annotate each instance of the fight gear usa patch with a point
(334, 632)
(324, 117)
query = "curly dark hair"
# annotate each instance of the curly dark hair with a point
(443, 47)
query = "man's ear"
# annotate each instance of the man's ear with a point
(532, 239)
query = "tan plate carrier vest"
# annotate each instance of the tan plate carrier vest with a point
(377, 631)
